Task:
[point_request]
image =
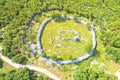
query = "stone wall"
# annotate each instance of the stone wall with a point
(40, 34)
(59, 62)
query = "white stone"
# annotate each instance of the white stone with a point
(58, 44)
(83, 22)
(118, 74)
(0, 48)
(74, 67)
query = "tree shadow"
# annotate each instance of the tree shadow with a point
(60, 20)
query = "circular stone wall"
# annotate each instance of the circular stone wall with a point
(75, 37)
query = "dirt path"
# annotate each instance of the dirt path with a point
(42, 70)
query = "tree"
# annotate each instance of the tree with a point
(116, 44)
(22, 74)
(55, 15)
(1, 63)
(92, 74)
(19, 59)
(41, 77)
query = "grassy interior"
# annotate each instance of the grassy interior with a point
(6, 68)
(68, 49)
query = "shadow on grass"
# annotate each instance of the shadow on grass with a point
(60, 20)
(87, 61)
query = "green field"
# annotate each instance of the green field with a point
(56, 43)
(6, 68)
(20, 21)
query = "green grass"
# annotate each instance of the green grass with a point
(68, 49)
(6, 68)
(102, 56)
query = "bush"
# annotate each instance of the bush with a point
(55, 15)
(116, 44)
(92, 74)
(41, 77)
(1, 63)
(19, 59)
(43, 54)
(54, 57)
(113, 54)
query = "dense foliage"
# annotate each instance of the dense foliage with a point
(90, 74)
(16, 16)
(1, 63)
(58, 40)
(22, 74)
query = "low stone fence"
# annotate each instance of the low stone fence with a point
(58, 62)
(40, 34)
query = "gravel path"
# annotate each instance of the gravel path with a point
(42, 70)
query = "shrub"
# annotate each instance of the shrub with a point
(1, 63)
(55, 14)
(43, 54)
(92, 74)
(116, 44)
(19, 59)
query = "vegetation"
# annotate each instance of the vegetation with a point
(6, 67)
(22, 74)
(8, 72)
(1, 63)
(92, 74)
(57, 43)
(16, 17)
(18, 32)
(19, 59)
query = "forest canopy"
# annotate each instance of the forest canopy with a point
(18, 17)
